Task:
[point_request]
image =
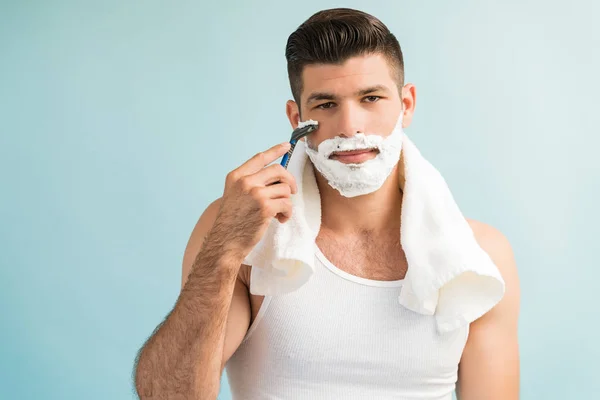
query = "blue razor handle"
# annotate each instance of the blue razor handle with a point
(286, 157)
(298, 134)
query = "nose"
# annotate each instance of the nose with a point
(350, 122)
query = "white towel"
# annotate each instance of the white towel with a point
(449, 275)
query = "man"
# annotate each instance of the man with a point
(346, 71)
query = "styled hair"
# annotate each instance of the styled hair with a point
(335, 35)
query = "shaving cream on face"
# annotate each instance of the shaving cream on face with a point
(302, 124)
(353, 180)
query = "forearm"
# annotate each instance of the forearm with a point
(182, 360)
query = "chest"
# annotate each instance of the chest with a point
(380, 260)
(368, 257)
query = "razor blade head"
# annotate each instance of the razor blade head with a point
(299, 133)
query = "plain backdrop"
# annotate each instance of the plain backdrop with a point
(120, 119)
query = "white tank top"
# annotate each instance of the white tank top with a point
(344, 337)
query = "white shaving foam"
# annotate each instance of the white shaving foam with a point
(302, 124)
(358, 179)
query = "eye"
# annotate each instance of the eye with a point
(325, 105)
(372, 99)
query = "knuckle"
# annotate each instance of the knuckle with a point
(261, 156)
(290, 178)
(255, 192)
(263, 203)
(232, 176)
(279, 169)
(265, 210)
(245, 184)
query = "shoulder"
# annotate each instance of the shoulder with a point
(199, 233)
(487, 234)
(209, 215)
(201, 230)
(197, 237)
(500, 250)
(489, 364)
(493, 242)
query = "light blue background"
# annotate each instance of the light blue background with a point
(120, 119)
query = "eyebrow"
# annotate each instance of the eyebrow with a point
(318, 96)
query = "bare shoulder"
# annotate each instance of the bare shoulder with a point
(498, 247)
(197, 237)
(487, 233)
(199, 233)
(493, 241)
(489, 366)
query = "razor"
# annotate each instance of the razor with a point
(298, 133)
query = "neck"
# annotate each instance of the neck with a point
(372, 213)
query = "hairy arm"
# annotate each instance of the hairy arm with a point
(489, 368)
(184, 357)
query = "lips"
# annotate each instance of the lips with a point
(352, 152)
(353, 156)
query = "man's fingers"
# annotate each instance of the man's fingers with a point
(284, 209)
(275, 173)
(260, 160)
(274, 191)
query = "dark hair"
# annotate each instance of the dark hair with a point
(333, 36)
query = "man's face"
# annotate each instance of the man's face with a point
(359, 96)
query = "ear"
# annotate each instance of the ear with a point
(293, 113)
(409, 101)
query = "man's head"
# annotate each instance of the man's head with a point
(346, 71)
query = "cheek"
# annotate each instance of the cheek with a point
(313, 140)
(310, 142)
(383, 127)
